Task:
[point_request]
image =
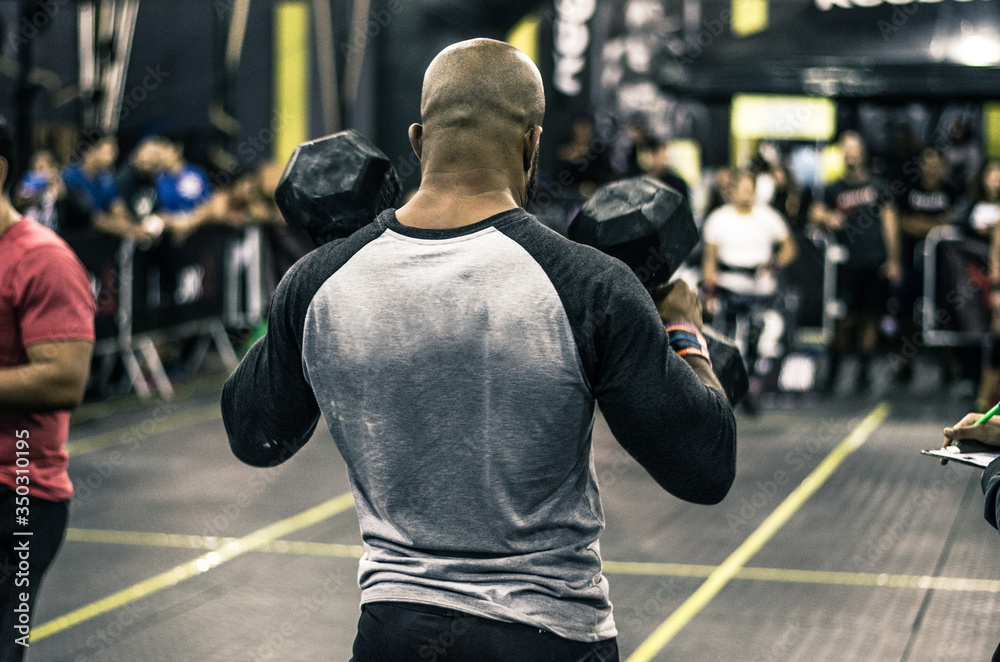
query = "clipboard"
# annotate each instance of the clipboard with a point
(967, 451)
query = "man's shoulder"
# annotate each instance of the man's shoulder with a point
(547, 245)
(308, 274)
(36, 249)
(578, 272)
(767, 213)
(28, 235)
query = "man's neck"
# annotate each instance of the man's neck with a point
(8, 215)
(455, 199)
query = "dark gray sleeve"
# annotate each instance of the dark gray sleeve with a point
(268, 408)
(991, 484)
(681, 431)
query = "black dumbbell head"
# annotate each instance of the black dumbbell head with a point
(727, 364)
(336, 185)
(642, 222)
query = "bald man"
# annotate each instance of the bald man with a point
(456, 349)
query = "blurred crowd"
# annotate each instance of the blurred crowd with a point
(154, 195)
(158, 200)
(871, 220)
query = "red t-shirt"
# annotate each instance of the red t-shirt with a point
(45, 296)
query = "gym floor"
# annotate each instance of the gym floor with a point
(838, 542)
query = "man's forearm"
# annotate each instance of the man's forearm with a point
(37, 388)
(113, 224)
(787, 254)
(890, 234)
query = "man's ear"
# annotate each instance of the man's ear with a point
(416, 134)
(530, 146)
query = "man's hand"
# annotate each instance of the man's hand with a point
(988, 433)
(835, 220)
(681, 304)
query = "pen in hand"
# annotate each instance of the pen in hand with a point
(987, 416)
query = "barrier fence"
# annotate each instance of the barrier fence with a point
(171, 291)
(955, 308)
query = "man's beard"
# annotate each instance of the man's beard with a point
(532, 186)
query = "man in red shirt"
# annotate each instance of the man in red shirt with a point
(46, 340)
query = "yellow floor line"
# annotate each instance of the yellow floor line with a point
(156, 426)
(807, 576)
(195, 567)
(209, 542)
(770, 526)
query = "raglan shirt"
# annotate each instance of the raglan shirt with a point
(458, 372)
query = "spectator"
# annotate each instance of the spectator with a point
(41, 191)
(137, 178)
(94, 199)
(745, 244)
(984, 201)
(640, 143)
(181, 188)
(661, 169)
(740, 241)
(787, 199)
(859, 210)
(718, 192)
(983, 218)
(587, 166)
(962, 155)
(46, 340)
(928, 202)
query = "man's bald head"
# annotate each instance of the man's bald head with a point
(479, 94)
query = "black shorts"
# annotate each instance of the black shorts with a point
(406, 631)
(862, 289)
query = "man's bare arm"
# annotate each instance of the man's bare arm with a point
(116, 222)
(54, 378)
(787, 252)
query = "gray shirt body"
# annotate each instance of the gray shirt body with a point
(458, 372)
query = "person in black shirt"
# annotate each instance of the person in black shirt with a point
(928, 202)
(859, 209)
(137, 178)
